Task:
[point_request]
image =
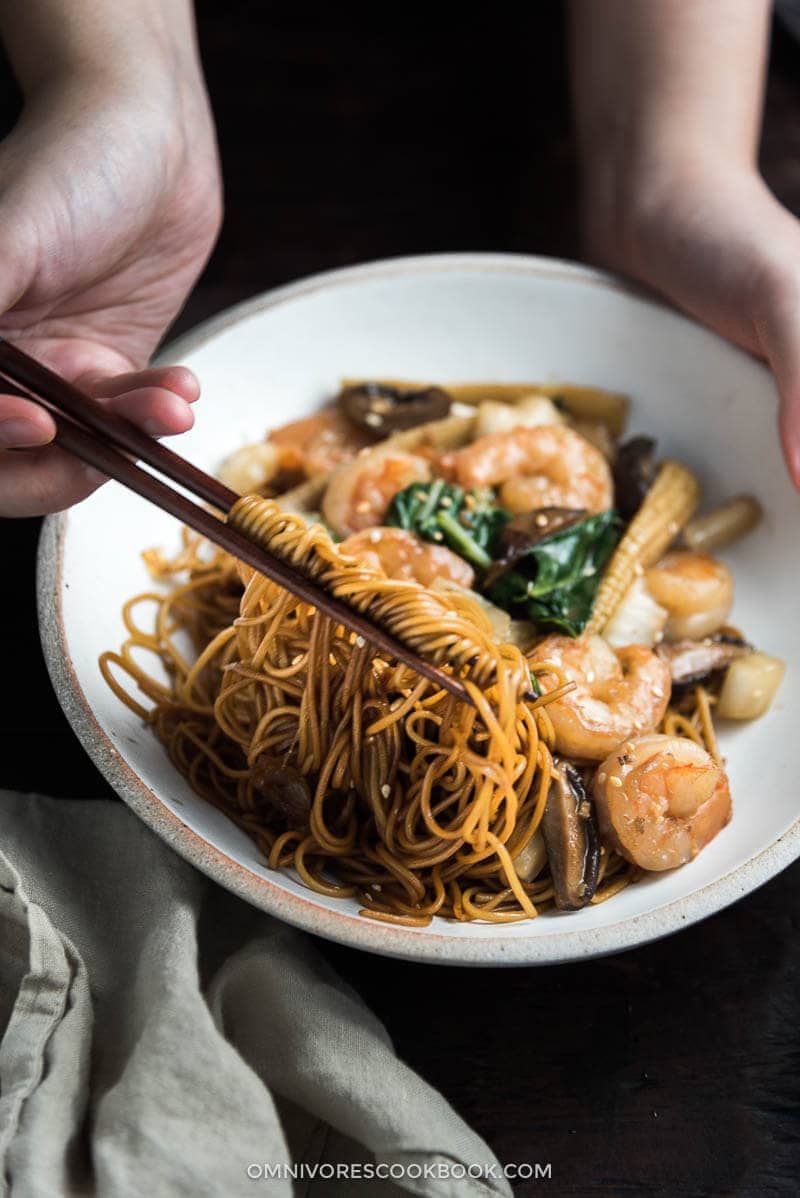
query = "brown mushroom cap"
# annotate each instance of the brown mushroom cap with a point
(381, 409)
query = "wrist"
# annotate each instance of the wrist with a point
(630, 205)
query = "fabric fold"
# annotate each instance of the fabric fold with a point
(161, 1036)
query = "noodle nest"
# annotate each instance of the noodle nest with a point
(364, 778)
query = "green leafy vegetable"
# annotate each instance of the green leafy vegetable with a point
(555, 581)
(468, 522)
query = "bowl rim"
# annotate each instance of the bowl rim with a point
(342, 927)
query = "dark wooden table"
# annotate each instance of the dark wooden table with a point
(670, 1070)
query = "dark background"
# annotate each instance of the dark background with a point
(671, 1070)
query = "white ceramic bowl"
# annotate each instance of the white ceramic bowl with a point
(454, 317)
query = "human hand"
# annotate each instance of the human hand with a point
(109, 206)
(711, 237)
(668, 100)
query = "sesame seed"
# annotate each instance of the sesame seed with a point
(363, 506)
(360, 642)
(386, 790)
(374, 536)
(373, 420)
(446, 501)
(629, 746)
(615, 782)
(658, 692)
(601, 777)
(540, 520)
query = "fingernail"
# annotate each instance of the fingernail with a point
(19, 433)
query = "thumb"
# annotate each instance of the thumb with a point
(23, 423)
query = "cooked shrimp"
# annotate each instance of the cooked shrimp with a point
(696, 590)
(549, 465)
(660, 800)
(618, 693)
(359, 492)
(401, 554)
(318, 443)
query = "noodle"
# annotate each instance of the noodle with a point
(693, 720)
(417, 802)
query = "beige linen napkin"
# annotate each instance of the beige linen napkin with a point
(160, 1037)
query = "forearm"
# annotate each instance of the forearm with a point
(49, 40)
(663, 87)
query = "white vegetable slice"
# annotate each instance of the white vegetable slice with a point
(531, 410)
(500, 620)
(250, 468)
(531, 860)
(749, 687)
(638, 620)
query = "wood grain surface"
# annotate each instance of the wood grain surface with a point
(670, 1070)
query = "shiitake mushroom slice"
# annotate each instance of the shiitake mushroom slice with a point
(571, 839)
(381, 409)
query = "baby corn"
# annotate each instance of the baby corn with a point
(668, 505)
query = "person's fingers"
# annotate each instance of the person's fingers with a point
(177, 379)
(35, 481)
(23, 424)
(157, 399)
(159, 412)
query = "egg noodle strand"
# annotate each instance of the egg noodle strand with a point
(418, 802)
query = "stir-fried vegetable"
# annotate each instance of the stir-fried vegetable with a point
(555, 581)
(468, 522)
(550, 579)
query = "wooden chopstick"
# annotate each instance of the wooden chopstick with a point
(96, 436)
(53, 391)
